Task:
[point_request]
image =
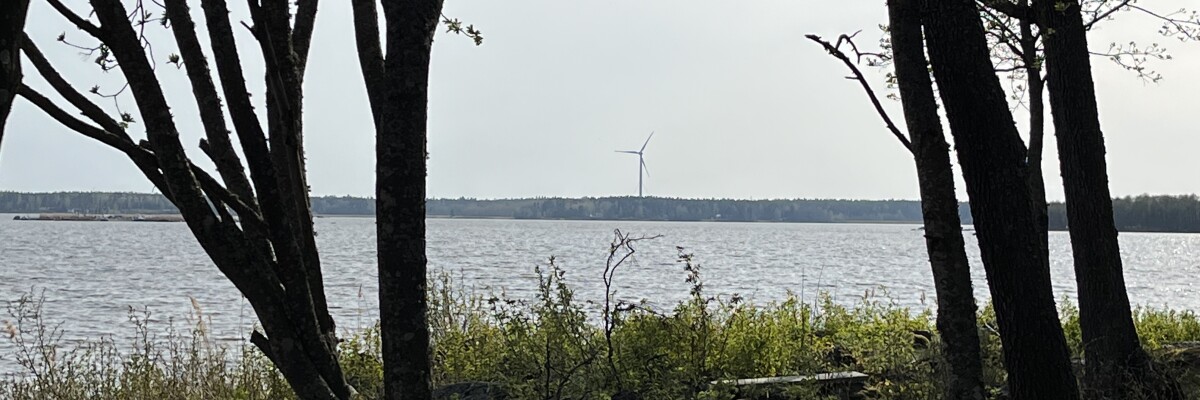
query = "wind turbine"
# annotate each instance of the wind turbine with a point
(641, 161)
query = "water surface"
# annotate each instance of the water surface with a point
(92, 273)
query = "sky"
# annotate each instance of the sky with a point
(742, 106)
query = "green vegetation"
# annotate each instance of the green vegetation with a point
(556, 347)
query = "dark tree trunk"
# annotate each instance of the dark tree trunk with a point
(398, 86)
(994, 166)
(266, 251)
(1037, 130)
(1116, 365)
(943, 229)
(12, 27)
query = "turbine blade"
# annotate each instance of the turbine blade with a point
(647, 141)
(627, 151)
(647, 170)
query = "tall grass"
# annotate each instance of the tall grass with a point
(554, 346)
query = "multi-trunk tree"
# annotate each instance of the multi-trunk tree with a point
(939, 205)
(257, 229)
(1051, 37)
(993, 160)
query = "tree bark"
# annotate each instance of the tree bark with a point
(398, 87)
(993, 160)
(1116, 365)
(943, 229)
(12, 27)
(1037, 129)
(264, 251)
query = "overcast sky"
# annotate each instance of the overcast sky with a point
(743, 106)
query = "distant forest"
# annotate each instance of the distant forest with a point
(1132, 214)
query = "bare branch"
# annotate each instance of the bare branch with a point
(1006, 33)
(306, 16)
(1018, 67)
(1009, 8)
(250, 132)
(249, 217)
(1101, 16)
(75, 124)
(76, 20)
(1185, 28)
(141, 158)
(836, 53)
(68, 92)
(370, 52)
(208, 101)
(160, 125)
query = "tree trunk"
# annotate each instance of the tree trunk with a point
(12, 27)
(943, 230)
(398, 87)
(1037, 130)
(1116, 365)
(260, 250)
(994, 167)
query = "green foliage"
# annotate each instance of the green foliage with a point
(554, 347)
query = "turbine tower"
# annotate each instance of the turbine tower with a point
(641, 161)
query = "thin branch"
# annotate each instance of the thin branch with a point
(78, 21)
(249, 217)
(208, 101)
(75, 124)
(68, 92)
(866, 87)
(1190, 31)
(306, 16)
(370, 52)
(144, 161)
(1009, 8)
(160, 125)
(1013, 68)
(858, 54)
(241, 111)
(264, 345)
(1106, 14)
(1006, 34)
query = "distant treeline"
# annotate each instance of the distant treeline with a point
(609, 208)
(1139, 213)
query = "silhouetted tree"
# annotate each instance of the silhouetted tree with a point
(398, 87)
(268, 248)
(1019, 52)
(993, 160)
(943, 229)
(1116, 365)
(12, 26)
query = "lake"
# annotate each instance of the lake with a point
(92, 273)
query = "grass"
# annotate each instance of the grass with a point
(554, 347)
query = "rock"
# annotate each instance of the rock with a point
(471, 391)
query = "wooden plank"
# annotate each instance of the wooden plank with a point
(822, 378)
